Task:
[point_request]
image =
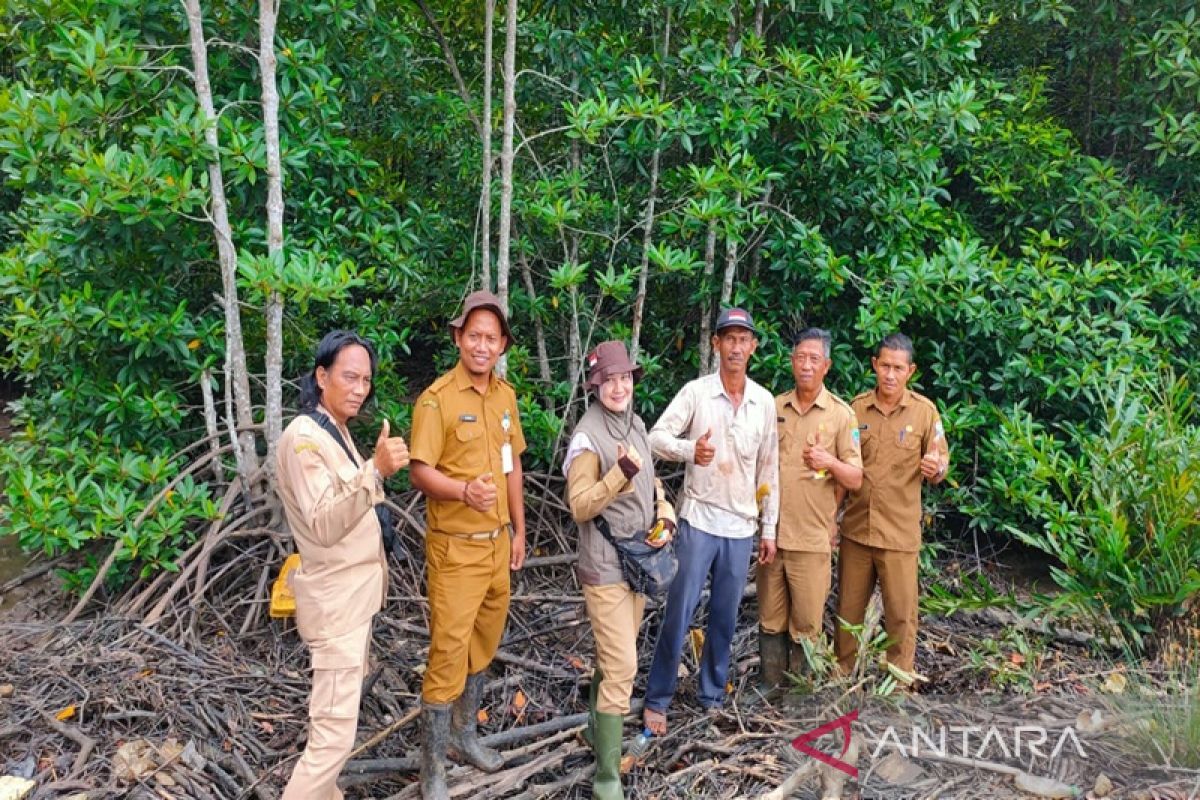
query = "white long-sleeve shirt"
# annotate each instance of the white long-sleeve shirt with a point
(721, 498)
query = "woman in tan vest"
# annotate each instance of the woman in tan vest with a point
(610, 474)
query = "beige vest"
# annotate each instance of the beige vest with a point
(631, 511)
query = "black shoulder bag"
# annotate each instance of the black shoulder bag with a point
(648, 570)
(391, 541)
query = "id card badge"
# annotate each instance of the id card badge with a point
(506, 456)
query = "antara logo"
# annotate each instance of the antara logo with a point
(843, 722)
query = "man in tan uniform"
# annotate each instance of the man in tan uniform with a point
(818, 462)
(903, 444)
(466, 450)
(329, 494)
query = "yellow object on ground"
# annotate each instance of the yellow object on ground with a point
(283, 600)
(13, 788)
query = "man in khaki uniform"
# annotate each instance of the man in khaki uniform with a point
(329, 494)
(466, 450)
(818, 462)
(903, 444)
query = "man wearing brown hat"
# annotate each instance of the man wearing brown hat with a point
(466, 459)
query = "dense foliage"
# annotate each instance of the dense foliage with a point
(1011, 182)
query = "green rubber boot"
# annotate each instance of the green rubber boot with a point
(606, 785)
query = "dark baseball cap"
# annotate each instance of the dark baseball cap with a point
(736, 318)
(483, 299)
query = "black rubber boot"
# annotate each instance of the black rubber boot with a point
(464, 725)
(435, 719)
(798, 662)
(773, 660)
(606, 785)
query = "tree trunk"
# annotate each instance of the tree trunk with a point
(539, 331)
(575, 349)
(236, 373)
(574, 359)
(485, 190)
(731, 259)
(267, 14)
(211, 428)
(639, 303)
(760, 9)
(506, 161)
(756, 253)
(706, 309)
(735, 25)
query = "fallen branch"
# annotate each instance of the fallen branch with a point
(85, 742)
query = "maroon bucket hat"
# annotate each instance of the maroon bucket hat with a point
(607, 359)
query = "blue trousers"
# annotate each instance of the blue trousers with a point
(701, 556)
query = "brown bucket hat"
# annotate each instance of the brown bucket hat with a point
(483, 299)
(609, 358)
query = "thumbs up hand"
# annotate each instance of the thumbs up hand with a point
(391, 452)
(932, 467)
(704, 450)
(480, 494)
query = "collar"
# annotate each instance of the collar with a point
(822, 401)
(336, 424)
(462, 378)
(717, 389)
(905, 399)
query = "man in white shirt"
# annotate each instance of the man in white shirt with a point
(723, 427)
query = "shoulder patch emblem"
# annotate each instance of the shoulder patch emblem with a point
(302, 446)
(856, 436)
(430, 403)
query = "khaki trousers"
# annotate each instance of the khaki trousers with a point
(468, 585)
(791, 593)
(859, 567)
(616, 615)
(339, 667)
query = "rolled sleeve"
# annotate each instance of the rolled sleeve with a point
(589, 492)
(768, 473)
(667, 437)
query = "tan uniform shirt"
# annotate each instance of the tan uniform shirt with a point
(886, 511)
(460, 433)
(330, 507)
(721, 498)
(807, 499)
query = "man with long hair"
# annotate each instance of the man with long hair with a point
(330, 494)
